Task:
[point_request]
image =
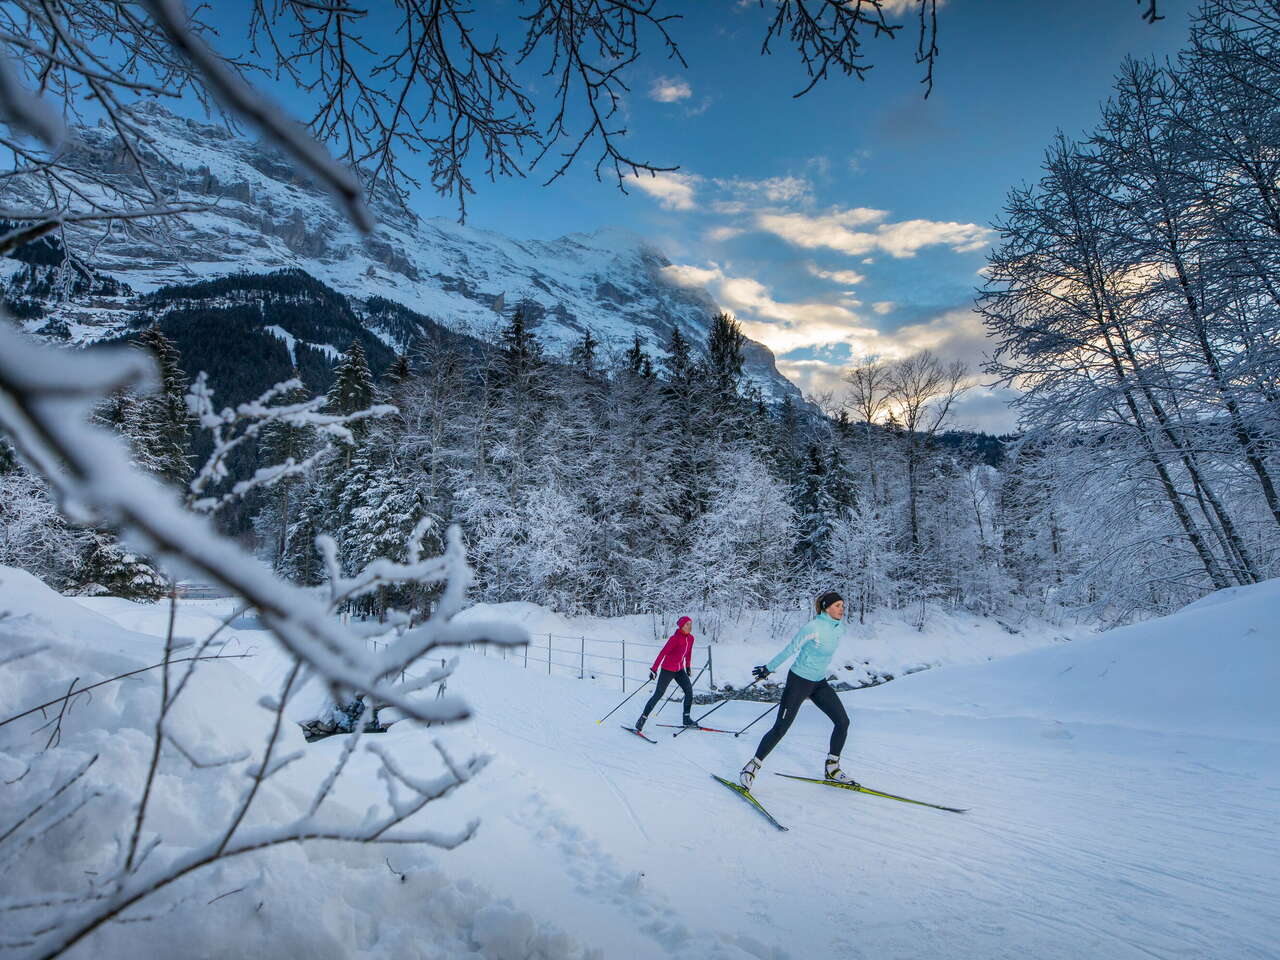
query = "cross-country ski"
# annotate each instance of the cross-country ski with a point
(637, 733)
(875, 793)
(746, 795)
(694, 726)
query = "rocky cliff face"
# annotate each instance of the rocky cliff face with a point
(263, 217)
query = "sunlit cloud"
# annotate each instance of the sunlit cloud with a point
(894, 8)
(673, 191)
(670, 90)
(836, 231)
(847, 277)
(883, 306)
(780, 325)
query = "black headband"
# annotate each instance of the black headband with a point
(827, 599)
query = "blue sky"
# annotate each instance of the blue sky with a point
(854, 219)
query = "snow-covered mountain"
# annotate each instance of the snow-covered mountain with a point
(264, 218)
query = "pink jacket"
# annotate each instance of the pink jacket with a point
(677, 652)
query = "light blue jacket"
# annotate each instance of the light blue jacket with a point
(817, 642)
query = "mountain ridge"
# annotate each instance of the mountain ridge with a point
(264, 217)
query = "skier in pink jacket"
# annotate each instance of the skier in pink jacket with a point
(673, 662)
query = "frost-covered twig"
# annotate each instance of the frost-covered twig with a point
(50, 798)
(240, 98)
(121, 676)
(229, 428)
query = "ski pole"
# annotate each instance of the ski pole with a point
(698, 722)
(628, 697)
(673, 696)
(758, 719)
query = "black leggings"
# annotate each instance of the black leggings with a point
(664, 679)
(796, 692)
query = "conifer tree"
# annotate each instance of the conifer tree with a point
(636, 357)
(167, 421)
(353, 389)
(679, 364)
(108, 568)
(725, 341)
(583, 355)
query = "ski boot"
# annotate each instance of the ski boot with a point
(690, 722)
(835, 774)
(747, 775)
(640, 724)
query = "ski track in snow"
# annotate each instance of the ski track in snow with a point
(1082, 840)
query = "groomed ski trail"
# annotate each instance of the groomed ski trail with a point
(1103, 841)
(1082, 840)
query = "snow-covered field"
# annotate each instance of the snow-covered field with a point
(1123, 793)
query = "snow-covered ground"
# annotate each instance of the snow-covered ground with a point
(1123, 792)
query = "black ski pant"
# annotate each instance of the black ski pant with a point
(796, 692)
(664, 680)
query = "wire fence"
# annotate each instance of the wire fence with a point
(591, 658)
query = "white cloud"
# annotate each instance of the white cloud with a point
(787, 190)
(883, 306)
(674, 191)
(670, 90)
(835, 231)
(721, 234)
(847, 277)
(895, 8)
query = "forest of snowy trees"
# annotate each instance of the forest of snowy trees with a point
(1134, 301)
(591, 482)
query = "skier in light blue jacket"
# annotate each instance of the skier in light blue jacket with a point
(816, 643)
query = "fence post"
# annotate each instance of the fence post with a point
(526, 655)
(711, 674)
(582, 659)
(624, 664)
(548, 654)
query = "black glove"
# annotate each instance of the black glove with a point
(652, 675)
(760, 672)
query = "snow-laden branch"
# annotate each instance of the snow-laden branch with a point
(229, 428)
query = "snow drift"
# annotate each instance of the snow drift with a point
(319, 900)
(1210, 669)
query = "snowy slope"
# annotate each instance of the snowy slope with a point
(1212, 669)
(320, 901)
(1097, 828)
(264, 218)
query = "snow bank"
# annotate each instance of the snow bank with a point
(1212, 669)
(318, 900)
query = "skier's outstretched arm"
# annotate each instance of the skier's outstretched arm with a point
(790, 649)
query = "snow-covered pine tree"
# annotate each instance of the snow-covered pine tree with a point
(741, 554)
(108, 568)
(169, 422)
(583, 356)
(282, 442)
(353, 388)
